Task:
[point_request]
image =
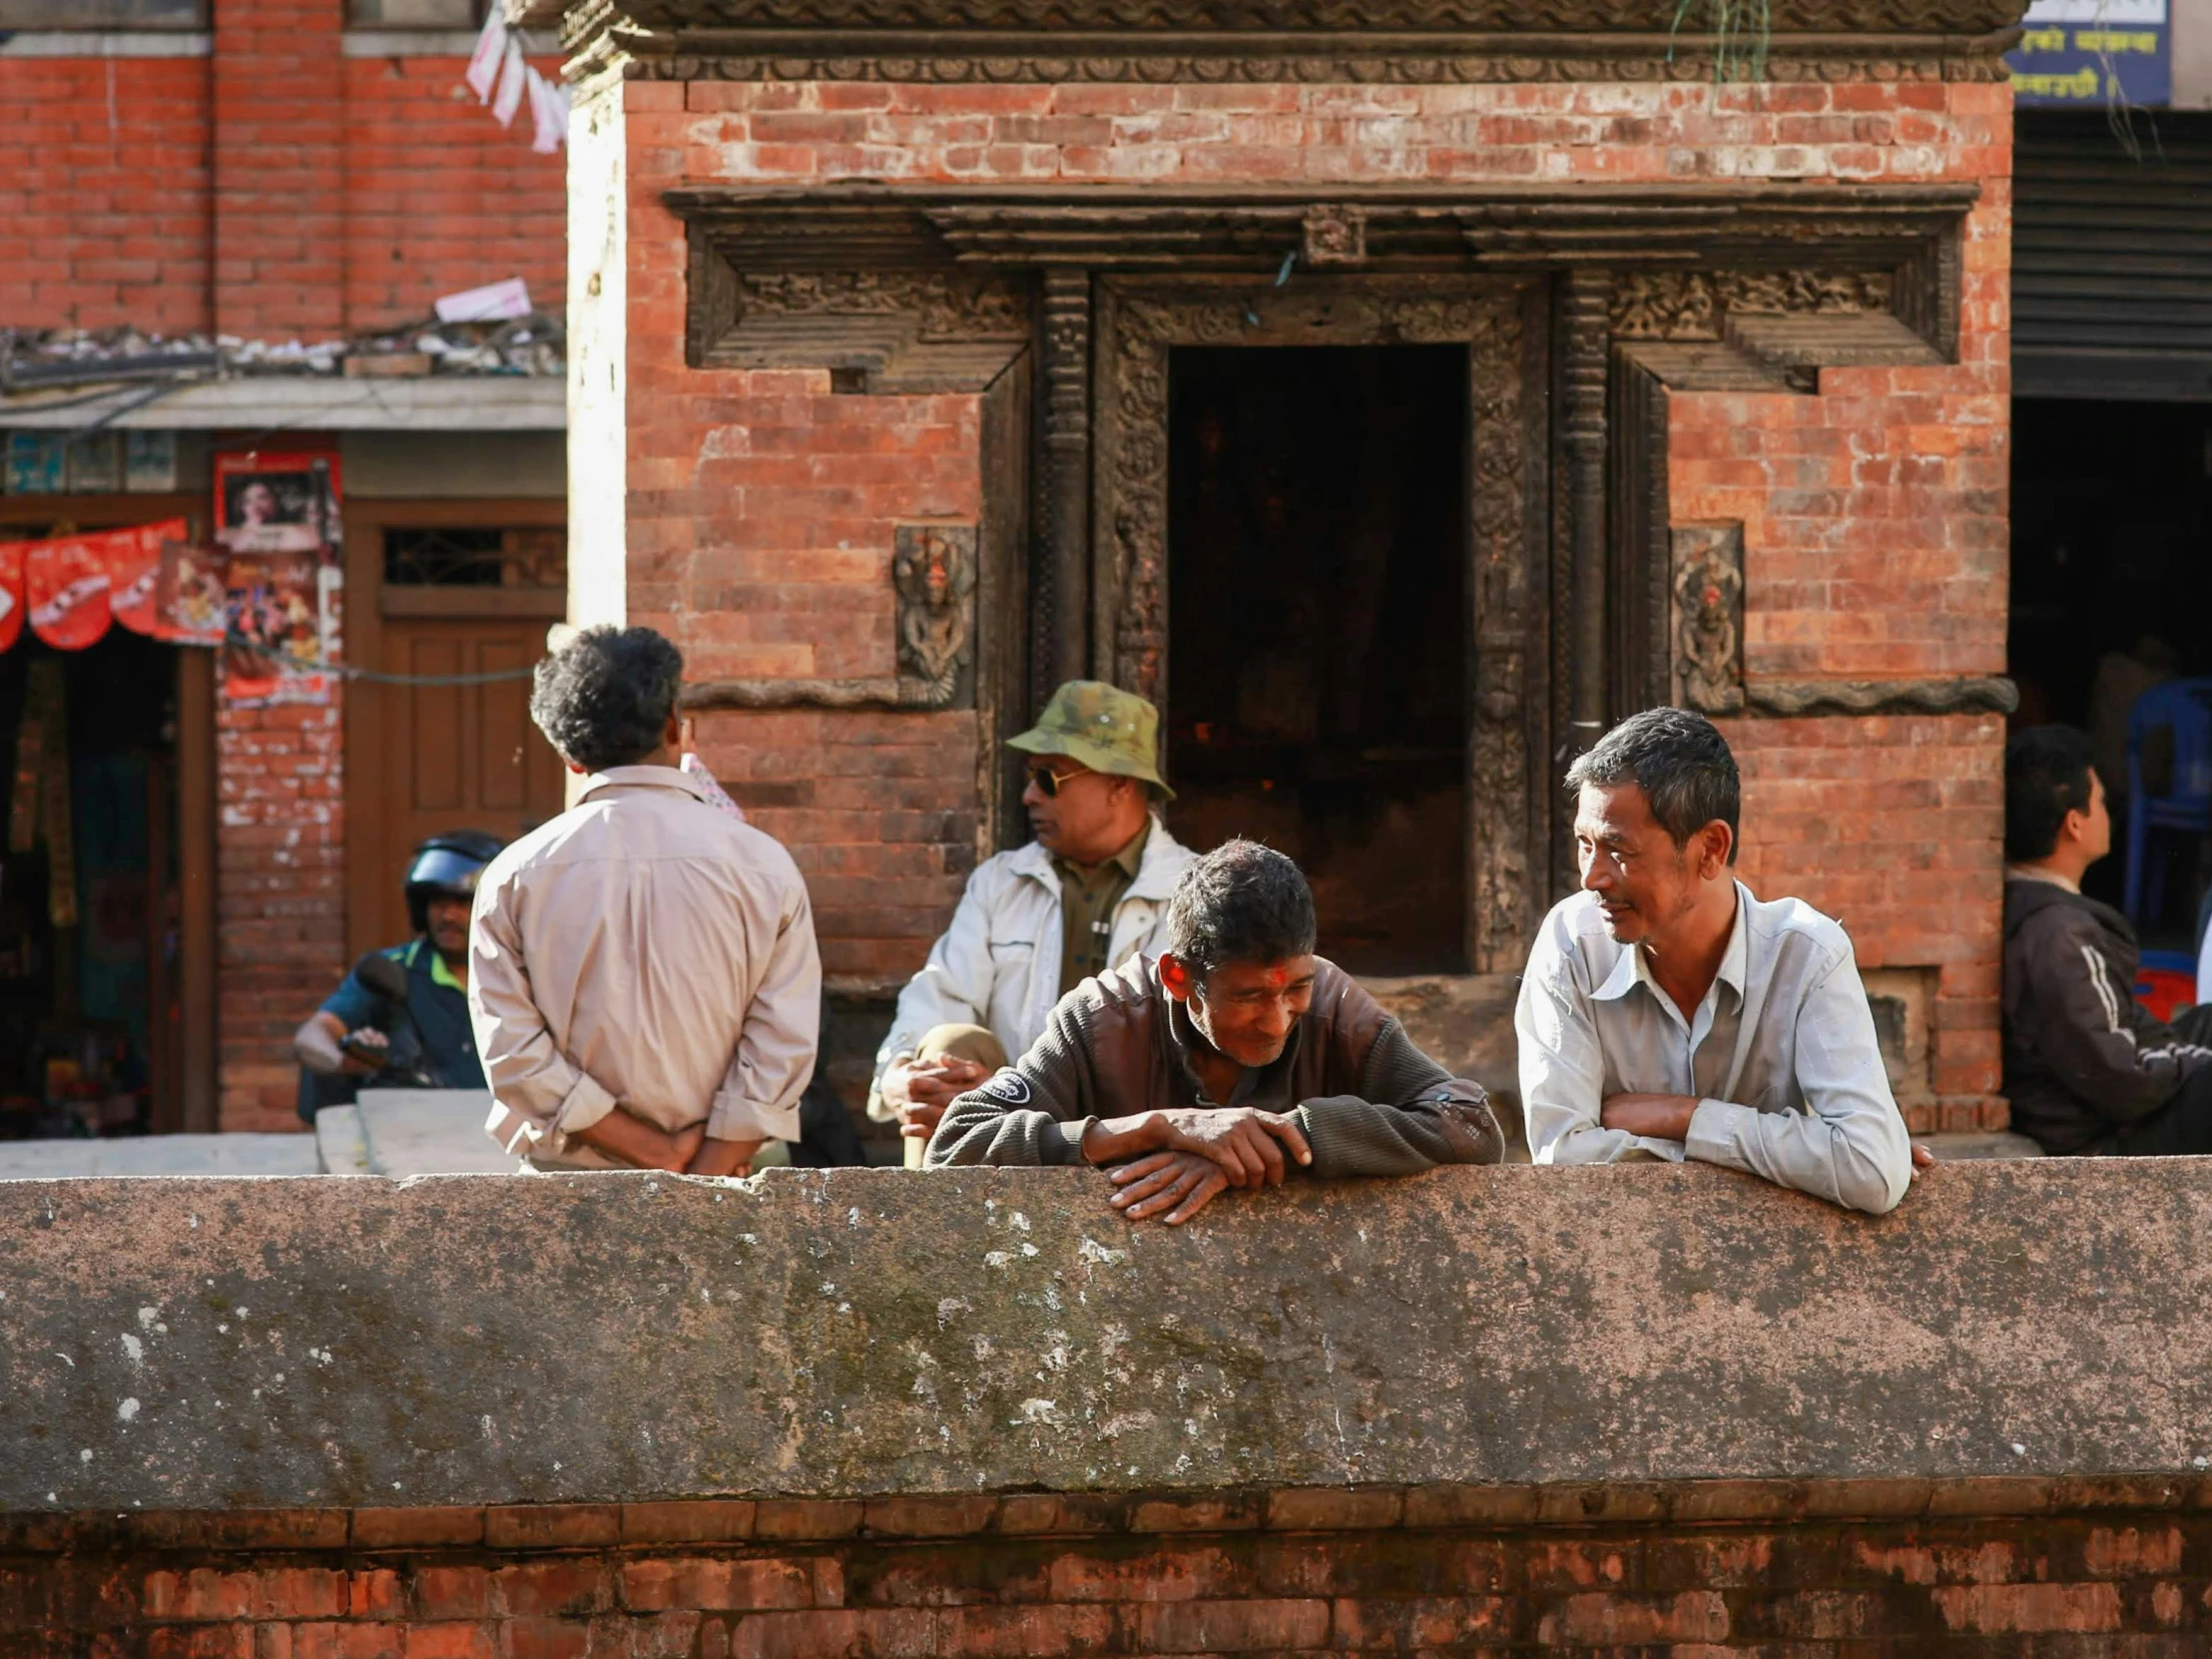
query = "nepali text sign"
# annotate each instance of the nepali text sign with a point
(2094, 52)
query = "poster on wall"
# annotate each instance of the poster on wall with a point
(276, 605)
(2094, 53)
(188, 596)
(272, 504)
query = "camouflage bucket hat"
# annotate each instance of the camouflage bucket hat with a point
(1107, 728)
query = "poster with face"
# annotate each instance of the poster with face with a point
(269, 503)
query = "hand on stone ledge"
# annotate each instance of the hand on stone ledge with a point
(1178, 1183)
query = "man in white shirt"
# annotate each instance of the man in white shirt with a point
(643, 977)
(1668, 1013)
(1088, 894)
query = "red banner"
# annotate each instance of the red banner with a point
(11, 592)
(67, 584)
(134, 571)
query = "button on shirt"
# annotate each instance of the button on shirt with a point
(1087, 900)
(643, 950)
(1781, 1055)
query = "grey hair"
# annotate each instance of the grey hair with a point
(1681, 762)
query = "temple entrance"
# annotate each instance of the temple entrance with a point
(1319, 630)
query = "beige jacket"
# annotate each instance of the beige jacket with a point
(647, 950)
(998, 964)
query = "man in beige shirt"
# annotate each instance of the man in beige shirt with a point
(643, 980)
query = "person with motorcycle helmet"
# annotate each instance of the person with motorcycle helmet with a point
(363, 1032)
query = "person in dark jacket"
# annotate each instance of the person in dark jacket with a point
(2088, 1068)
(1236, 1057)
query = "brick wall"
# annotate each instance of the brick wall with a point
(437, 198)
(1874, 511)
(1305, 1571)
(280, 897)
(107, 179)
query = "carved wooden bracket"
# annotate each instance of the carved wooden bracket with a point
(933, 569)
(1967, 695)
(1707, 617)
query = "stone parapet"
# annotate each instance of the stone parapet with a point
(1521, 1338)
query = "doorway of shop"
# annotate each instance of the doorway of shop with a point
(1319, 649)
(2111, 517)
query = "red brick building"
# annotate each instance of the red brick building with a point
(1398, 393)
(235, 215)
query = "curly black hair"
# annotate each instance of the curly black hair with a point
(604, 699)
(1241, 903)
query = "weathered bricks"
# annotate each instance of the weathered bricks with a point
(2108, 1577)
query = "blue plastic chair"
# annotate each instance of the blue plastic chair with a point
(2185, 707)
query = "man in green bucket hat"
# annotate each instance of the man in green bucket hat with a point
(1087, 895)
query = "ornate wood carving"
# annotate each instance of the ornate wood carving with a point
(1642, 650)
(1335, 235)
(933, 574)
(1975, 694)
(1062, 619)
(1141, 320)
(1696, 305)
(1584, 301)
(1369, 60)
(1133, 19)
(1708, 617)
(1260, 40)
(891, 329)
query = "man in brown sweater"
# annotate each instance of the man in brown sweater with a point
(1234, 1057)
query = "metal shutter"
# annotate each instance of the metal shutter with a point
(2112, 257)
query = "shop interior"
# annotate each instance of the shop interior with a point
(2111, 524)
(90, 981)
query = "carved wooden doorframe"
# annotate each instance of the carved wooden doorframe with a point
(1500, 322)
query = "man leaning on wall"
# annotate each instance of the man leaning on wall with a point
(1667, 1012)
(644, 982)
(1233, 1059)
(1087, 895)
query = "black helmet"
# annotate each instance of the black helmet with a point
(448, 865)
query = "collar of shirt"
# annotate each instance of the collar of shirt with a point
(1129, 861)
(1633, 970)
(1254, 1086)
(439, 973)
(2028, 872)
(640, 778)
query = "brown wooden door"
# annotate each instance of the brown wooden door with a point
(457, 756)
(425, 758)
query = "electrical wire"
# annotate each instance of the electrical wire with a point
(346, 671)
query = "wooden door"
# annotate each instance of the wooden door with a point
(458, 757)
(426, 755)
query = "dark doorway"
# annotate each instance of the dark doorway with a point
(1318, 651)
(2111, 514)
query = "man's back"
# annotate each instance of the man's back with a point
(2081, 1057)
(664, 952)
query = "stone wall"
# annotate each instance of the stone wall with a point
(882, 1413)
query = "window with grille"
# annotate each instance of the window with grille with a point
(476, 558)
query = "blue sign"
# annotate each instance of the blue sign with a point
(2095, 53)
